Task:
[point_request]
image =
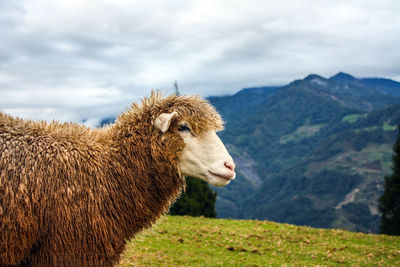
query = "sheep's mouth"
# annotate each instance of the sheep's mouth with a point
(221, 176)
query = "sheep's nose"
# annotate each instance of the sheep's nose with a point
(230, 165)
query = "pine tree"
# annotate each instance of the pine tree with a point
(198, 200)
(176, 88)
(389, 203)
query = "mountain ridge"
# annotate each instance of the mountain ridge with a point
(293, 136)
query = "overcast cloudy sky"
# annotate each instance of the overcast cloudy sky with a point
(74, 60)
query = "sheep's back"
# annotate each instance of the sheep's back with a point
(47, 180)
(19, 193)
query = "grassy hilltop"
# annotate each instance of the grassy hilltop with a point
(188, 241)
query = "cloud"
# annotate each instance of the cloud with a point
(83, 60)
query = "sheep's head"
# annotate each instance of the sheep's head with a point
(204, 156)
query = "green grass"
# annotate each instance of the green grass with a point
(187, 241)
(353, 117)
(302, 132)
(387, 127)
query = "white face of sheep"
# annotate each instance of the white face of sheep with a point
(204, 156)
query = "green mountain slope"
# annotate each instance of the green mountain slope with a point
(187, 241)
(310, 153)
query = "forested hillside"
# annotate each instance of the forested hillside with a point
(313, 152)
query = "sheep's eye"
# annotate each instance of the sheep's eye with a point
(184, 128)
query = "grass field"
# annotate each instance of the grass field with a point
(187, 241)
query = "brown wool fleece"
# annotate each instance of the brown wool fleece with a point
(72, 195)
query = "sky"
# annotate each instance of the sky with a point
(77, 61)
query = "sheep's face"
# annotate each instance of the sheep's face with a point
(204, 155)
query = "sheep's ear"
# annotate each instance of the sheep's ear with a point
(163, 121)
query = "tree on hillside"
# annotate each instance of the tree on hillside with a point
(389, 203)
(198, 200)
(176, 88)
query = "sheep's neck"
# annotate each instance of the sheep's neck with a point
(149, 183)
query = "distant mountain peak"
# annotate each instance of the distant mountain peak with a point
(316, 79)
(342, 76)
(313, 77)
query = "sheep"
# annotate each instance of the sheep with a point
(72, 195)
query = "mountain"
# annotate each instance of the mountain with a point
(235, 107)
(348, 91)
(342, 77)
(313, 152)
(385, 86)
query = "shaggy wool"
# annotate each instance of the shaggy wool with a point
(72, 196)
